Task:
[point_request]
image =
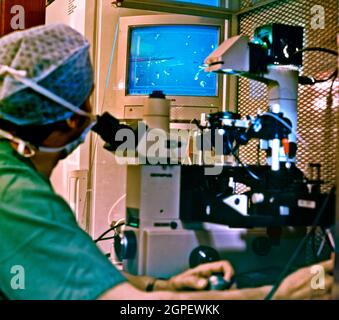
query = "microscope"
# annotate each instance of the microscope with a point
(177, 211)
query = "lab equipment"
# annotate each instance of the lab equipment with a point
(272, 58)
(217, 282)
(168, 205)
(168, 58)
(157, 111)
(165, 52)
(214, 3)
(204, 254)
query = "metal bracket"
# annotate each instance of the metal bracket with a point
(174, 7)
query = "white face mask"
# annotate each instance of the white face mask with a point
(70, 147)
(20, 76)
(24, 148)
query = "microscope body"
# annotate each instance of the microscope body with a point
(170, 213)
(171, 210)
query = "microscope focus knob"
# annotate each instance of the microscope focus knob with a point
(125, 245)
(258, 198)
(217, 282)
(203, 254)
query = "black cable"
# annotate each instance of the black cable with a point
(214, 63)
(233, 152)
(330, 95)
(253, 175)
(196, 122)
(334, 75)
(258, 154)
(108, 231)
(107, 238)
(299, 248)
(305, 80)
(317, 49)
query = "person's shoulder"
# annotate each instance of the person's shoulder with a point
(16, 177)
(23, 190)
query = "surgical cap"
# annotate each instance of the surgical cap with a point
(54, 56)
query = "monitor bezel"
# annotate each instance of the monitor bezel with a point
(126, 23)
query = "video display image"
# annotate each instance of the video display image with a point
(214, 3)
(170, 58)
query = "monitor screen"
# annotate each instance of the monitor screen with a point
(214, 3)
(170, 58)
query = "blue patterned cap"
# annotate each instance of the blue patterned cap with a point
(54, 56)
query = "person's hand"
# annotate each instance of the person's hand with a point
(196, 278)
(307, 283)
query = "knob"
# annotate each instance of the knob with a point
(258, 198)
(217, 282)
(125, 245)
(203, 254)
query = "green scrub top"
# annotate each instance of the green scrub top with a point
(44, 254)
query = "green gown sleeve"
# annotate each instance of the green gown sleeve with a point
(38, 233)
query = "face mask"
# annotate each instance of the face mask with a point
(20, 76)
(25, 149)
(70, 147)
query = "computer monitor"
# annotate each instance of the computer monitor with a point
(169, 58)
(166, 53)
(214, 3)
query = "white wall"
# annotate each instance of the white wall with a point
(78, 14)
(72, 13)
